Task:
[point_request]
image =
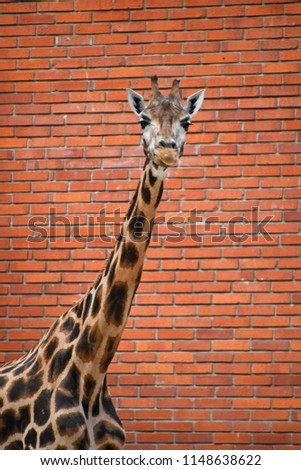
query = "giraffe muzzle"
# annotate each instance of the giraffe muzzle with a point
(166, 156)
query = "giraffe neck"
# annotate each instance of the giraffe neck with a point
(104, 310)
(124, 268)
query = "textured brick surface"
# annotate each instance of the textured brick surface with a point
(212, 350)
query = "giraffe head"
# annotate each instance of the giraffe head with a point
(165, 121)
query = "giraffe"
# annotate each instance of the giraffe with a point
(56, 396)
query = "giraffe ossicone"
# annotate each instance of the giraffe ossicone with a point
(56, 396)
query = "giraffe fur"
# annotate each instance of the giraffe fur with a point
(56, 396)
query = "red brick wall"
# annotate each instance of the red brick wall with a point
(211, 354)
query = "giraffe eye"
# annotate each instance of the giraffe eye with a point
(185, 124)
(144, 121)
(144, 124)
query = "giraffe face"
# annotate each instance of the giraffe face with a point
(164, 127)
(165, 122)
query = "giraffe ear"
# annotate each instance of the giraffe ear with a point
(136, 101)
(194, 102)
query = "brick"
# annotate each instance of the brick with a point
(264, 415)
(280, 68)
(264, 10)
(155, 369)
(231, 438)
(59, 29)
(133, 27)
(242, 69)
(246, 23)
(141, 38)
(203, 24)
(185, 36)
(278, 21)
(292, 31)
(18, 30)
(220, 345)
(37, 19)
(272, 439)
(107, 5)
(220, 58)
(73, 17)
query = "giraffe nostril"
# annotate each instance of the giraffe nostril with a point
(167, 144)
